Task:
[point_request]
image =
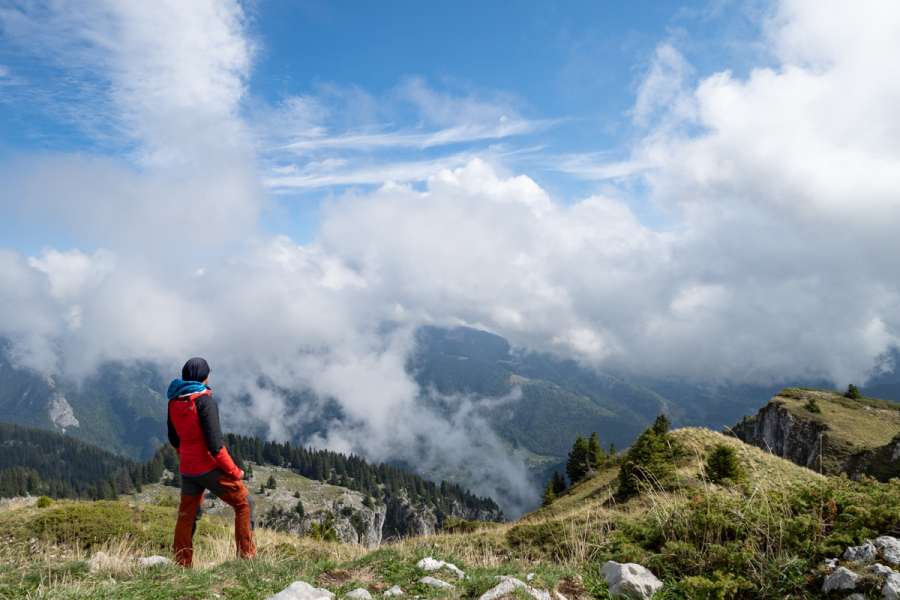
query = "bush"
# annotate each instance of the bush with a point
(722, 464)
(812, 406)
(853, 392)
(44, 502)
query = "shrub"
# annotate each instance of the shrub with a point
(44, 502)
(853, 392)
(723, 464)
(812, 406)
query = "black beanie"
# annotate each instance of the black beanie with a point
(195, 369)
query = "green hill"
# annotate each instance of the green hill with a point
(764, 534)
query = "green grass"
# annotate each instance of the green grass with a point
(763, 537)
(863, 423)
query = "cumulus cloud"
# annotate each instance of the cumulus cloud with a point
(777, 260)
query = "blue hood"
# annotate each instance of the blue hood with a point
(180, 387)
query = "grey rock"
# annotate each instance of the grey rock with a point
(394, 591)
(842, 579)
(855, 596)
(436, 583)
(881, 570)
(891, 588)
(430, 564)
(630, 580)
(153, 561)
(831, 564)
(359, 594)
(864, 553)
(889, 548)
(300, 590)
(508, 586)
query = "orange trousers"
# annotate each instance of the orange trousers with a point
(229, 490)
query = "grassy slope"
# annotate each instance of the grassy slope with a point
(761, 538)
(862, 424)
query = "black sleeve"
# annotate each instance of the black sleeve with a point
(173, 435)
(208, 411)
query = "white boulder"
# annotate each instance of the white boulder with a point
(394, 591)
(881, 570)
(889, 548)
(508, 586)
(430, 564)
(891, 588)
(842, 579)
(831, 564)
(153, 561)
(300, 590)
(630, 580)
(864, 553)
(359, 594)
(436, 583)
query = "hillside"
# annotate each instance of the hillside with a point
(764, 535)
(827, 432)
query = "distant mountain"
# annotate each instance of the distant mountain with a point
(546, 400)
(120, 407)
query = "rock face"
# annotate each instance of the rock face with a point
(807, 440)
(777, 430)
(351, 524)
(891, 588)
(300, 590)
(630, 580)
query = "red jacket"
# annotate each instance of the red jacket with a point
(195, 432)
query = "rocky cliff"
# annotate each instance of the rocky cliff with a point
(826, 432)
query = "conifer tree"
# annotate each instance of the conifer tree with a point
(578, 464)
(549, 494)
(596, 457)
(559, 483)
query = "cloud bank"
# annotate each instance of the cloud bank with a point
(776, 259)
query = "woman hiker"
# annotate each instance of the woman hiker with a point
(204, 462)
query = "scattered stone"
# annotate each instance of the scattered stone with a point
(842, 579)
(99, 561)
(630, 580)
(889, 548)
(508, 586)
(436, 583)
(300, 590)
(394, 591)
(831, 564)
(359, 594)
(891, 588)
(153, 561)
(864, 553)
(558, 596)
(855, 596)
(881, 570)
(529, 577)
(430, 564)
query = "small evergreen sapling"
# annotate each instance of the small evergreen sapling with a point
(549, 494)
(853, 392)
(722, 464)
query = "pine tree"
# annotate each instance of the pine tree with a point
(549, 494)
(596, 457)
(578, 464)
(661, 424)
(559, 483)
(853, 392)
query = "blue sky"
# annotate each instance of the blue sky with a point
(395, 90)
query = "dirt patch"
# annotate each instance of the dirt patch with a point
(571, 588)
(338, 577)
